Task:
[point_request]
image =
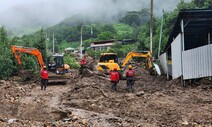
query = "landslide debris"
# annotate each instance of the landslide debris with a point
(89, 102)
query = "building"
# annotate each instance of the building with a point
(102, 45)
(188, 52)
(106, 44)
(71, 50)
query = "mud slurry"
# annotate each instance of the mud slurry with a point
(89, 102)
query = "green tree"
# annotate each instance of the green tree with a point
(3, 35)
(40, 43)
(6, 62)
(202, 3)
(106, 35)
(123, 31)
(71, 62)
(136, 18)
(122, 50)
(108, 27)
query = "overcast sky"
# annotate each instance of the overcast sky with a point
(15, 12)
(5, 4)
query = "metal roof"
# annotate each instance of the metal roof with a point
(103, 41)
(197, 25)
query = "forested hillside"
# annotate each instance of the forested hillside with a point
(133, 25)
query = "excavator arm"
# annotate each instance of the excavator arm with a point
(32, 51)
(146, 55)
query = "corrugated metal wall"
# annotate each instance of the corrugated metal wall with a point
(197, 62)
(176, 57)
(163, 61)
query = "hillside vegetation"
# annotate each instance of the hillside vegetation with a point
(134, 25)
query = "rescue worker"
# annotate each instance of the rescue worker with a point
(114, 78)
(130, 78)
(44, 78)
(82, 65)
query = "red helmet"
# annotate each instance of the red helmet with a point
(115, 69)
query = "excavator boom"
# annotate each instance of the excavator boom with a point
(145, 54)
(33, 51)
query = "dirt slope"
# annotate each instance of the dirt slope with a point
(89, 102)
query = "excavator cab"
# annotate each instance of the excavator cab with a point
(108, 57)
(107, 62)
(56, 64)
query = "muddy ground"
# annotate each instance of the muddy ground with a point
(89, 102)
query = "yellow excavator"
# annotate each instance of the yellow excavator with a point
(145, 54)
(56, 67)
(108, 61)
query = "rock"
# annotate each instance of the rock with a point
(67, 119)
(84, 121)
(75, 118)
(11, 121)
(130, 95)
(1, 120)
(185, 122)
(2, 82)
(196, 125)
(22, 89)
(12, 99)
(7, 96)
(8, 82)
(33, 85)
(140, 93)
(87, 73)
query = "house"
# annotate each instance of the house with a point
(70, 50)
(102, 45)
(188, 52)
(106, 44)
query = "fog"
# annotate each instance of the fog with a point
(15, 13)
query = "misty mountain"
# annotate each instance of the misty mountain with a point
(47, 13)
(52, 12)
(87, 19)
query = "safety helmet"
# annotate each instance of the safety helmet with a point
(115, 69)
(130, 66)
(44, 67)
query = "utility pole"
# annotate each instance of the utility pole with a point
(53, 43)
(46, 42)
(81, 43)
(151, 25)
(161, 31)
